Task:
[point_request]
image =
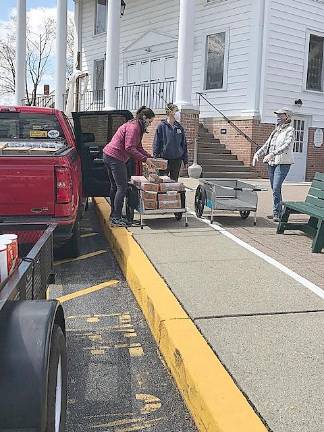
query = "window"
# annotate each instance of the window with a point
(98, 79)
(101, 16)
(315, 63)
(25, 126)
(215, 61)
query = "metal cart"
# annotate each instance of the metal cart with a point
(134, 202)
(226, 194)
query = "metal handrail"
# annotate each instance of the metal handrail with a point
(201, 95)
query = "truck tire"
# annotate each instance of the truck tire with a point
(32, 359)
(73, 246)
(56, 390)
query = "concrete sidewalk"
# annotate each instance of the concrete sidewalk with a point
(265, 326)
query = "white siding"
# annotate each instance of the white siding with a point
(142, 16)
(288, 22)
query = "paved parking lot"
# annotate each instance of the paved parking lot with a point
(117, 379)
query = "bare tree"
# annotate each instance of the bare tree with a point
(7, 64)
(39, 48)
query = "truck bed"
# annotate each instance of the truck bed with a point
(30, 279)
(32, 148)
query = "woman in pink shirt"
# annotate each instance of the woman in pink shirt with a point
(125, 144)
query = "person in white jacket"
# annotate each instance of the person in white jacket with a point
(278, 154)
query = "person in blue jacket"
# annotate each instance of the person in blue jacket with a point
(170, 143)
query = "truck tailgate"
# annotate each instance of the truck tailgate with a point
(27, 188)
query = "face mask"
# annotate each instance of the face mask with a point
(280, 121)
(146, 123)
(177, 116)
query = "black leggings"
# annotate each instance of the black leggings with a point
(173, 170)
(117, 172)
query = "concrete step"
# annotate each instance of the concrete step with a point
(214, 162)
(225, 168)
(216, 156)
(232, 175)
(209, 143)
(213, 151)
(211, 147)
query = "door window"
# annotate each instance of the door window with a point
(99, 74)
(299, 126)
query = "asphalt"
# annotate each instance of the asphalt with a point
(264, 326)
(117, 380)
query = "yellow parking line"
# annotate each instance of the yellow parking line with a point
(81, 257)
(86, 291)
(89, 235)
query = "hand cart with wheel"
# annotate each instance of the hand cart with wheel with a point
(226, 194)
(134, 202)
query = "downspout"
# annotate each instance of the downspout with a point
(77, 35)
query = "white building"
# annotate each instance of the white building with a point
(247, 57)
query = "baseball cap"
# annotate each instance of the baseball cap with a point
(284, 111)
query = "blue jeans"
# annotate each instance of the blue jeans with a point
(277, 175)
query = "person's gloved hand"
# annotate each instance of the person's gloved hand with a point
(255, 159)
(268, 157)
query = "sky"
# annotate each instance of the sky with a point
(36, 10)
(8, 5)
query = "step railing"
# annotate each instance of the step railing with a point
(229, 121)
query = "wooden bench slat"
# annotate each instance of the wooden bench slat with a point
(317, 184)
(319, 176)
(305, 208)
(317, 202)
(317, 193)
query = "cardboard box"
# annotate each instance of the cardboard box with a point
(166, 179)
(137, 180)
(169, 196)
(154, 178)
(175, 204)
(150, 204)
(160, 164)
(149, 195)
(165, 187)
(149, 187)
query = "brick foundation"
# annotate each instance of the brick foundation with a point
(190, 123)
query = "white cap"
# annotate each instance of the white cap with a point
(286, 111)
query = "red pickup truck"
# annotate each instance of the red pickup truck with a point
(48, 168)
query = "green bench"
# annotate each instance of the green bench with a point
(313, 207)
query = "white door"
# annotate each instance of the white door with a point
(297, 171)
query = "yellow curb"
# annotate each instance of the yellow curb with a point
(215, 402)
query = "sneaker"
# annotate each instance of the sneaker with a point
(118, 223)
(270, 217)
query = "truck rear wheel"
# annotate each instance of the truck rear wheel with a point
(56, 393)
(73, 246)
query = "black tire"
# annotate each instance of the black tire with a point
(178, 216)
(200, 201)
(244, 214)
(57, 354)
(73, 246)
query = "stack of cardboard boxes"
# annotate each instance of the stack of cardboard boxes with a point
(158, 192)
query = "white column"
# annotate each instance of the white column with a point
(112, 54)
(61, 37)
(185, 53)
(255, 58)
(20, 52)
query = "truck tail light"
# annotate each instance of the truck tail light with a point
(63, 185)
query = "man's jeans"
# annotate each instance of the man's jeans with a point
(277, 175)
